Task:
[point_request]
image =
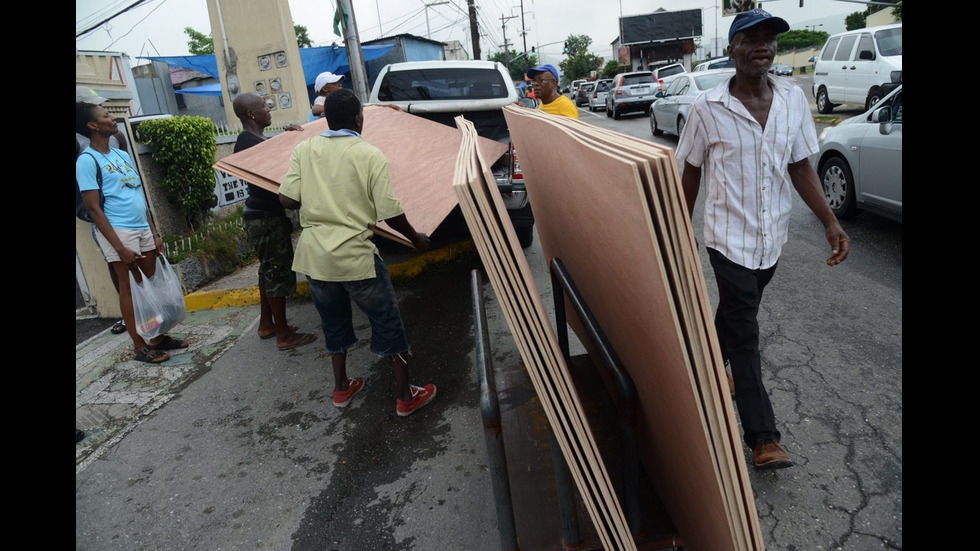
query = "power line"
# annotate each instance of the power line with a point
(134, 5)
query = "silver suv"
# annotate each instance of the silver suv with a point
(631, 93)
(597, 98)
(440, 91)
(666, 73)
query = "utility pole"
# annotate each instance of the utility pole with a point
(524, 29)
(428, 32)
(354, 56)
(503, 26)
(474, 29)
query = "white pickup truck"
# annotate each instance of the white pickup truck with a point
(478, 90)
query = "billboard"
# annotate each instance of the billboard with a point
(734, 7)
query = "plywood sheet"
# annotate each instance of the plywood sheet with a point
(421, 156)
(672, 227)
(604, 210)
(509, 274)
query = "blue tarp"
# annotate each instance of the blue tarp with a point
(206, 90)
(314, 61)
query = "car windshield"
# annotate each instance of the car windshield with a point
(710, 81)
(637, 79)
(667, 71)
(442, 84)
(890, 41)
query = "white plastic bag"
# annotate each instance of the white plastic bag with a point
(158, 301)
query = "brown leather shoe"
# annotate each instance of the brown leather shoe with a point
(770, 455)
(731, 384)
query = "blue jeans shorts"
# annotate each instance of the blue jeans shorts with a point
(375, 297)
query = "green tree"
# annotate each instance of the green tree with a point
(519, 63)
(578, 62)
(797, 39)
(199, 43)
(856, 20)
(302, 36)
(611, 69)
(859, 20)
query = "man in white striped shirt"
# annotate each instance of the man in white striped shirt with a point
(751, 137)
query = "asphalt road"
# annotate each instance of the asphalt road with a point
(247, 452)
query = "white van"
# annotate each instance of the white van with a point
(858, 67)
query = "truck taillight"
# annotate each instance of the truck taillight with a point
(515, 164)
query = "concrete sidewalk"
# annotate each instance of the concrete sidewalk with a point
(113, 392)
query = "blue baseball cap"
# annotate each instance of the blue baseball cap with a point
(547, 68)
(751, 18)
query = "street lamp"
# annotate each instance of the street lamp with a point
(813, 28)
(428, 33)
(714, 39)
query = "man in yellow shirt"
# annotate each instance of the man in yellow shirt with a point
(544, 82)
(341, 186)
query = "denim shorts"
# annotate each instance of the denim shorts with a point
(375, 297)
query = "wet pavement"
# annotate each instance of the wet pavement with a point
(233, 444)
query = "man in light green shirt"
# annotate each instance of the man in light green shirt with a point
(340, 185)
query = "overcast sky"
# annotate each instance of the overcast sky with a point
(156, 27)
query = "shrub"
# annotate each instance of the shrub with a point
(219, 241)
(184, 148)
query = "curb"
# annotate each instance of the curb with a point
(207, 300)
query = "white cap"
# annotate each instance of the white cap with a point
(324, 79)
(87, 95)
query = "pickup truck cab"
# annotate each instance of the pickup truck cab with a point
(442, 90)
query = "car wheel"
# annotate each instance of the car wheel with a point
(838, 187)
(525, 236)
(608, 110)
(616, 114)
(824, 106)
(874, 96)
(680, 125)
(653, 125)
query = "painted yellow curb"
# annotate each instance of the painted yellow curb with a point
(207, 300)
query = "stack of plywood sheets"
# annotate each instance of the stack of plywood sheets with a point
(511, 278)
(420, 153)
(611, 208)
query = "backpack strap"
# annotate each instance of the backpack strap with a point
(98, 170)
(98, 178)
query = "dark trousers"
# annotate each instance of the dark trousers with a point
(739, 295)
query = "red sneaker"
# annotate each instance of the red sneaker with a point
(421, 395)
(342, 397)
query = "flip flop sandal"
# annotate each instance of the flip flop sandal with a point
(292, 329)
(151, 356)
(302, 341)
(169, 343)
(118, 328)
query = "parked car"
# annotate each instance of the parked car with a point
(781, 69)
(582, 95)
(630, 93)
(717, 63)
(443, 90)
(858, 67)
(665, 73)
(597, 98)
(670, 112)
(860, 161)
(573, 89)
